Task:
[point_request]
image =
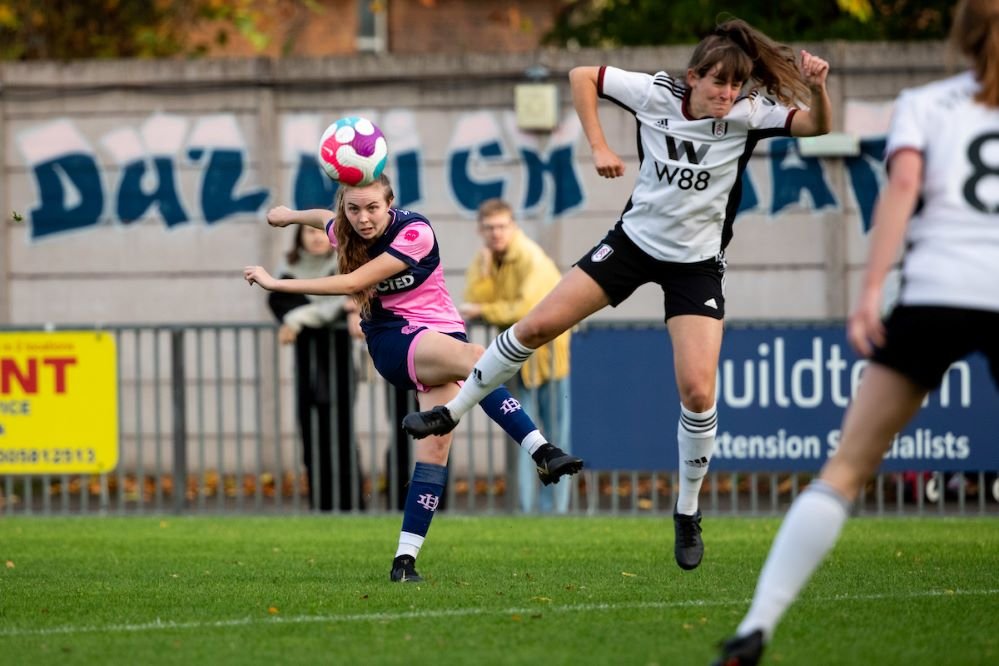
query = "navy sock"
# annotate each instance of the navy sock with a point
(506, 411)
(424, 495)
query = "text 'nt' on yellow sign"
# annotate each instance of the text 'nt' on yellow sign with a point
(58, 402)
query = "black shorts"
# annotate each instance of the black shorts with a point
(922, 341)
(620, 267)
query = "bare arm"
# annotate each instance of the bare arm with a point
(583, 82)
(282, 216)
(891, 218)
(817, 119)
(380, 268)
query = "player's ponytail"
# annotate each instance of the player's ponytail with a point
(976, 34)
(745, 53)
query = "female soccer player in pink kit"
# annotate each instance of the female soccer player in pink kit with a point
(390, 263)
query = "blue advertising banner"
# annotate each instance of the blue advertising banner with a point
(782, 391)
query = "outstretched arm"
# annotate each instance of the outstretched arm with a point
(583, 81)
(817, 119)
(380, 268)
(282, 216)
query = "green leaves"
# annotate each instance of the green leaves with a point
(57, 30)
(609, 23)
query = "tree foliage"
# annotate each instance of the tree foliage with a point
(607, 23)
(68, 29)
(71, 29)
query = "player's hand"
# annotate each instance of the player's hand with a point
(354, 326)
(287, 334)
(864, 329)
(813, 70)
(486, 263)
(258, 275)
(280, 216)
(470, 310)
(607, 163)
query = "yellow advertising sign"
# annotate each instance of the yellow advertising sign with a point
(58, 402)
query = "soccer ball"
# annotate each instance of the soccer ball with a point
(353, 151)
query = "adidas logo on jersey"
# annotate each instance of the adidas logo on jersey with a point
(711, 303)
(663, 123)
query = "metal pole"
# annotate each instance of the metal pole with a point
(179, 400)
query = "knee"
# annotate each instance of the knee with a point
(475, 352)
(697, 398)
(532, 333)
(464, 361)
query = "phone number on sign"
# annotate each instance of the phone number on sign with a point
(47, 456)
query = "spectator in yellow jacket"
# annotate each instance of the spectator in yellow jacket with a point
(505, 279)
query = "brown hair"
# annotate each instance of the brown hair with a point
(975, 33)
(353, 250)
(494, 206)
(294, 255)
(745, 53)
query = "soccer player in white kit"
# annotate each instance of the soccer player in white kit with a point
(695, 136)
(942, 147)
(390, 264)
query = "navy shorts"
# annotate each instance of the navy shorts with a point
(620, 267)
(392, 347)
(921, 342)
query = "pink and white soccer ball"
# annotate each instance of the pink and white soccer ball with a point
(353, 151)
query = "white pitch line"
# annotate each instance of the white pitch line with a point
(160, 625)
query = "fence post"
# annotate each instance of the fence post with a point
(179, 400)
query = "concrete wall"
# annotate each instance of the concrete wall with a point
(215, 143)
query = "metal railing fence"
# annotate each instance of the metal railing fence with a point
(207, 424)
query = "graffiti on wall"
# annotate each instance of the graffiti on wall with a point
(183, 169)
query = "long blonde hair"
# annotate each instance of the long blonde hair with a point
(976, 33)
(745, 53)
(352, 249)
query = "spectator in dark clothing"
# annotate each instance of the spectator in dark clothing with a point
(323, 375)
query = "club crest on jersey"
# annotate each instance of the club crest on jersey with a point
(601, 253)
(719, 128)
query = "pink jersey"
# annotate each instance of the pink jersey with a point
(418, 294)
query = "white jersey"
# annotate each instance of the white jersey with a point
(689, 180)
(952, 242)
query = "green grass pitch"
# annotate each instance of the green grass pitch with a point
(499, 590)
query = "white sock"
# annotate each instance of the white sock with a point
(409, 544)
(695, 436)
(501, 361)
(534, 441)
(809, 532)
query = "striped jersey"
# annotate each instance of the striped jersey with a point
(689, 182)
(952, 241)
(418, 294)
